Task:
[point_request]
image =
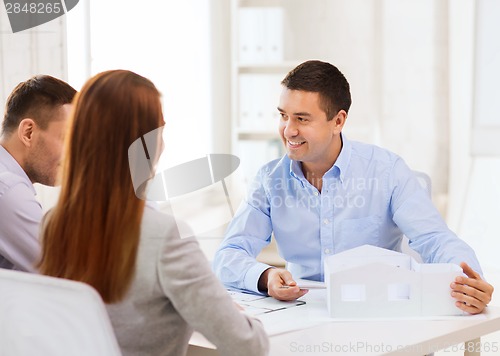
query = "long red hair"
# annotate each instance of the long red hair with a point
(92, 234)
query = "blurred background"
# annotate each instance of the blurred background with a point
(424, 78)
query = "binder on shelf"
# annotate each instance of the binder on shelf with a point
(258, 99)
(246, 96)
(250, 34)
(260, 35)
(273, 23)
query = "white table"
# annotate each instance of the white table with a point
(412, 337)
(318, 334)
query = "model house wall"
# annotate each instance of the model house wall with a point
(370, 281)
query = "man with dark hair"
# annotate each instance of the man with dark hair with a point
(328, 195)
(30, 151)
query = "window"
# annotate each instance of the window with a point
(167, 42)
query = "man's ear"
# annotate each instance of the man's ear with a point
(339, 121)
(25, 131)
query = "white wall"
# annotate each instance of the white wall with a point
(41, 50)
(475, 164)
(395, 56)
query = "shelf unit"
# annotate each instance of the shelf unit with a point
(268, 39)
(257, 68)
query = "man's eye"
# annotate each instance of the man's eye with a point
(301, 119)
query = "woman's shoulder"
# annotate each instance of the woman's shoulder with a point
(165, 229)
(156, 222)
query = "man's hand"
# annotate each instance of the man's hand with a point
(279, 284)
(473, 293)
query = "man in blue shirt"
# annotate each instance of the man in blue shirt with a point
(328, 195)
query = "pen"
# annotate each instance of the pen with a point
(311, 286)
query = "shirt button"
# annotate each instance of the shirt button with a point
(326, 221)
(327, 251)
(316, 193)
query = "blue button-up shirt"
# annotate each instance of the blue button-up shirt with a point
(369, 196)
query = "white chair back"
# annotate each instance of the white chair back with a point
(47, 316)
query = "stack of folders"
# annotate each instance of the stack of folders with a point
(258, 101)
(260, 34)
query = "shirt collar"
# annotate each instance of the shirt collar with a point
(339, 166)
(343, 159)
(296, 171)
(13, 166)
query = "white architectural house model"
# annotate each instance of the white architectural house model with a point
(370, 281)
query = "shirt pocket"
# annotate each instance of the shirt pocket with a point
(358, 232)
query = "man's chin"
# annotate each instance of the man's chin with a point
(293, 156)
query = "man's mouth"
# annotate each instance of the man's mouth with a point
(295, 144)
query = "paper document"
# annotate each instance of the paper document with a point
(259, 304)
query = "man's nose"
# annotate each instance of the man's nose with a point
(291, 129)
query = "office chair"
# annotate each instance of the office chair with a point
(48, 316)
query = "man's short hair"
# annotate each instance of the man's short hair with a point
(325, 79)
(36, 98)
